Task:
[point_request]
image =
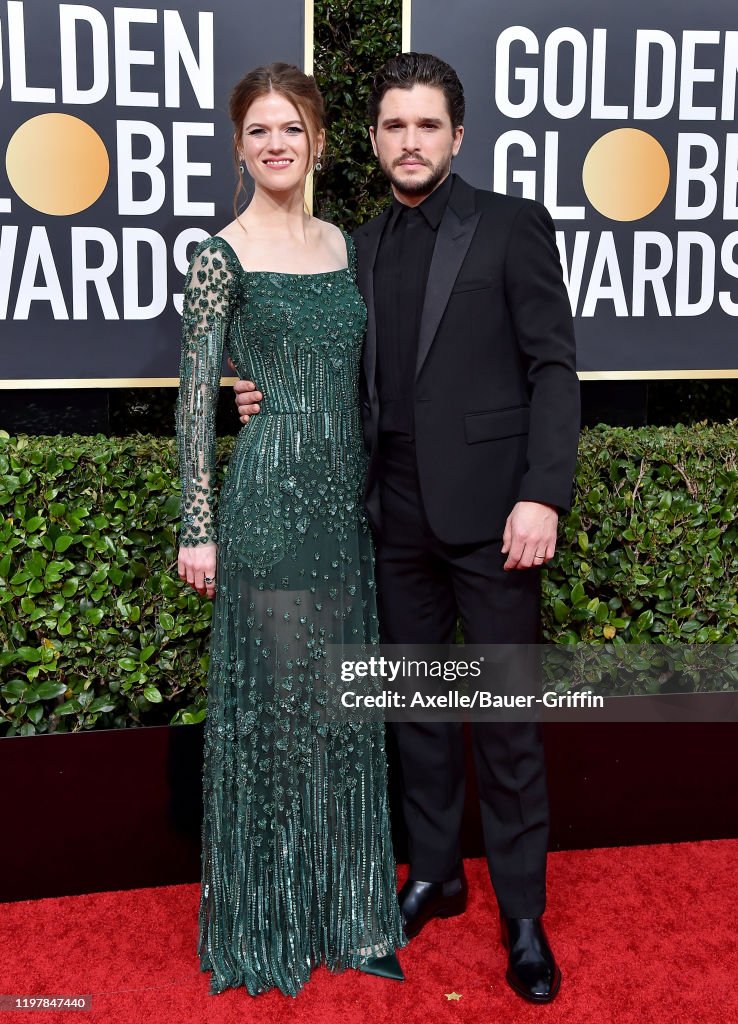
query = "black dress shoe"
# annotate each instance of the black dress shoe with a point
(384, 967)
(531, 970)
(420, 902)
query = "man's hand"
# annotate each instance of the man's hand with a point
(530, 535)
(247, 397)
(197, 562)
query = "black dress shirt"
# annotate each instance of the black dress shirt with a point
(400, 279)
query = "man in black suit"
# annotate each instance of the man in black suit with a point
(471, 414)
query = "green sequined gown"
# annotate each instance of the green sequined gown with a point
(297, 864)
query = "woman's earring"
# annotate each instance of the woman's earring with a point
(318, 165)
(241, 169)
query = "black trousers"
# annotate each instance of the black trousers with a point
(422, 585)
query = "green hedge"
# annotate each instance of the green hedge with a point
(351, 42)
(650, 549)
(98, 631)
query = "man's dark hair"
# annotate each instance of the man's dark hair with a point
(409, 69)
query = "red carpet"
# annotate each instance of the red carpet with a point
(642, 934)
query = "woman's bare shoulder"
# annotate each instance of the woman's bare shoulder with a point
(232, 232)
(327, 229)
(332, 236)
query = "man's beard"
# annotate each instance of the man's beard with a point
(417, 187)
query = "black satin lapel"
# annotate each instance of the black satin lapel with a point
(367, 258)
(452, 245)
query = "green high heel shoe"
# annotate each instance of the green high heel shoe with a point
(384, 967)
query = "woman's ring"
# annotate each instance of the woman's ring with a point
(209, 579)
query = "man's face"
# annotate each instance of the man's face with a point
(414, 140)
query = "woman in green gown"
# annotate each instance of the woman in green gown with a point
(297, 863)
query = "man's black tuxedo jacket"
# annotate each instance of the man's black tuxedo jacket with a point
(496, 397)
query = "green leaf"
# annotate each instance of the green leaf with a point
(644, 622)
(31, 654)
(71, 707)
(190, 718)
(167, 622)
(172, 506)
(102, 704)
(54, 570)
(36, 564)
(49, 689)
(15, 688)
(152, 695)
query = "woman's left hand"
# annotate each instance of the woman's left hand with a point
(197, 566)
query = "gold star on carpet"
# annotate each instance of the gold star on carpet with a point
(452, 996)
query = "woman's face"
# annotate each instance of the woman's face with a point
(274, 144)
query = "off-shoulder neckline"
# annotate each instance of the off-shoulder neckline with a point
(281, 273)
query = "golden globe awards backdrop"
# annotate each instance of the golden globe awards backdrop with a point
(117, 158)
(621, 118)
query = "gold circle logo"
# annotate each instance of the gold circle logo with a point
(626, 174)
(57, 164)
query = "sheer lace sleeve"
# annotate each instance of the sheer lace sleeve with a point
(205, 313)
